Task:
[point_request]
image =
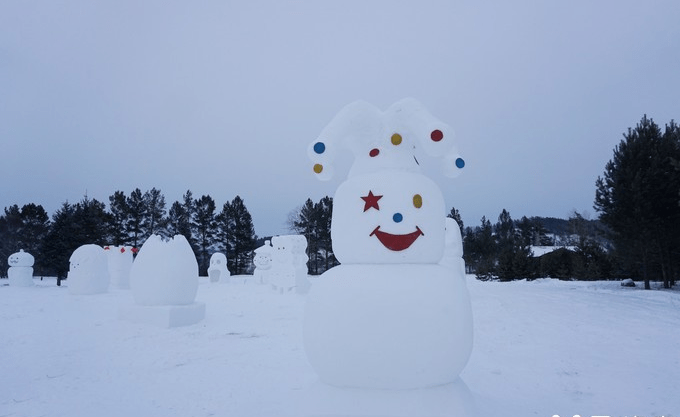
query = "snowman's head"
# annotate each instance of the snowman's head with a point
(263, 256)
(387, 211)
(388, 217)
(218, 260)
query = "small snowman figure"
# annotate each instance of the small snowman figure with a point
(218, 268)
(396, 313)
(263, 263)
(20, 272)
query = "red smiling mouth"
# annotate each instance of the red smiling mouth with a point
(397, 242)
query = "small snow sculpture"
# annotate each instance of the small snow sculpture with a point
(20, 271)
(164, 281)
(396, 313)
(120, 263)
(289, 263)
(89, 271)
(218, 268)
(263, 263)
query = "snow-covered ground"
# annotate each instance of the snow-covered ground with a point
(541, 348)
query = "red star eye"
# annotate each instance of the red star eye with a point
(371, 201)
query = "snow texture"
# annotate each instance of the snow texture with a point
(120, 263)
(541, 348)
(20, 271)
(89, 271)
(218, 271)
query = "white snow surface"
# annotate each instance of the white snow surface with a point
(541, 348)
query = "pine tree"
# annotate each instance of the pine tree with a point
(154, 221)
(236, 235)
(137, 213)
(60, 241)
(204, 223)
(505, 241)
(637, 200)
(35, 225)
(10, 231)
(120, 212)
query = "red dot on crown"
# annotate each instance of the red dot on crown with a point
(374, 152)
(436, 135)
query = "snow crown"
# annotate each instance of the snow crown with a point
(385, 140)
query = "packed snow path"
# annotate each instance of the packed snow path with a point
(541, 348)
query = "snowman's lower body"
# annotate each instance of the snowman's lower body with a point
(388, 326)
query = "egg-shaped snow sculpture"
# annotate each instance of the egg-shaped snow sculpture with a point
(164, 272)
(88, 271)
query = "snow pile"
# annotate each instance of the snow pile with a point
(218, 268)
(89, 271)
(20, 271)
(120, 263)
(164, 281)
(391, 315)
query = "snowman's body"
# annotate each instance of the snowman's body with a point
(396, 313)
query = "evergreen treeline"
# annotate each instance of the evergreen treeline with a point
(129, 220)
(505, 250)
(637, 234)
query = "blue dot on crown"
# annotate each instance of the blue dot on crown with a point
(460, 163)
(319, 147)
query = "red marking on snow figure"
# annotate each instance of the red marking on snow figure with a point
(397, 242)
(371, 201)
(436, 135)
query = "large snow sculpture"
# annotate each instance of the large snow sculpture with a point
(120, 263)
(89, 271)
(263, 263)
(164, 281)
(218, 268)
(396, 313)
(289, 264)
(20, 271)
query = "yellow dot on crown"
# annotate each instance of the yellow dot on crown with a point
(417, 201)
(396, 139)
(318, 168)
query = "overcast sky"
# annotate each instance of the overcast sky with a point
(223, 97)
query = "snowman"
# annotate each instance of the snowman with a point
(218, 268)
(20, 272)
(396, 313)
(263, 263)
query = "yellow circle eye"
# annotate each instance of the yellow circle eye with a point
(396, 139)
(318, 168)
(417, 201)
